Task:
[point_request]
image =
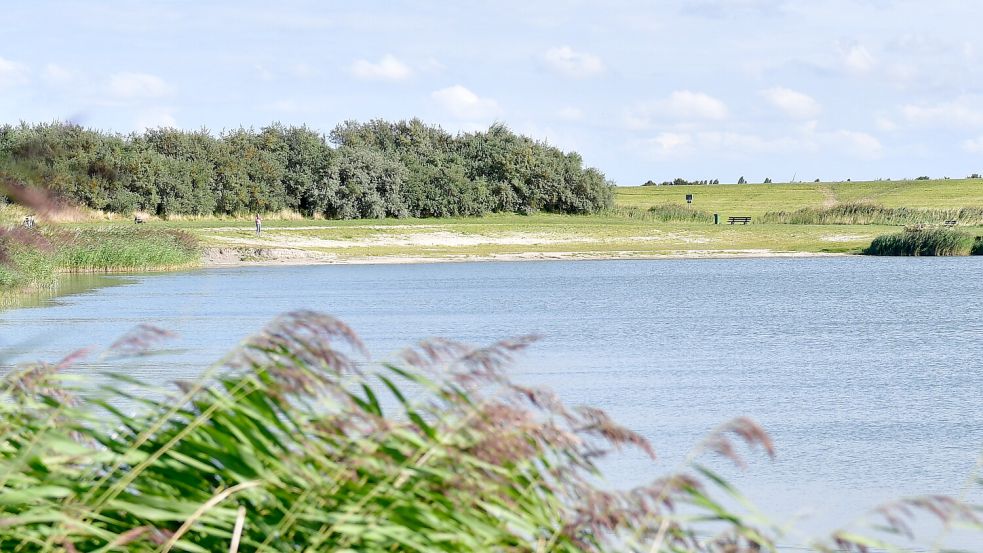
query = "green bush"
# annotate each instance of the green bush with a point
(929, 242)
(363, 170)
(977, 248)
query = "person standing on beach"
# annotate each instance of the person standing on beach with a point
(259, 225)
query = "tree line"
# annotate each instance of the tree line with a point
(359, 170)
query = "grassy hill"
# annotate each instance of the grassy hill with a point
(757, 199)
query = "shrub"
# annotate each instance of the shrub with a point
(375, 169)
(930, 242)
(977, 248)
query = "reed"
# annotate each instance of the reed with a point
(861, 213)
(925, 242)
(323, 452)
(125, 249)
(666, 213)
(295, 442)
(31, 259)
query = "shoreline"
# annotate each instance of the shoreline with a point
(216, 257)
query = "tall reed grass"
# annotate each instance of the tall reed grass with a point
(925, 242)
(32, 258)
(861, 213)
(667, 213)
(294, 442)
(125, 249)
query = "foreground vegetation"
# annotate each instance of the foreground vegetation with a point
(371, 170)
(294, 442)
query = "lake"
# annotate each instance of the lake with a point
(866, 371)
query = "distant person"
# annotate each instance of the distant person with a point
(259, 225)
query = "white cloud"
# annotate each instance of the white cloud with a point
(858, 144)
(389, 68)
(962, 112)
(737, 145)
(974, 145)
(464, 104)
(132, 86)
(301, 70)
(792, 103)
(566, 61)
(670, 145)
(12, 73)
(721, 144)
(857, 59)
(885, 123)
(570, 113)
(155, 118)
(56, 74)
(682, 105)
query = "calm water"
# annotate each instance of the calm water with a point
(867, 372)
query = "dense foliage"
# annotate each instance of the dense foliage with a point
(361, 170)
(926, 242)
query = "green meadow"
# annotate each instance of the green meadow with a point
(646, 222)
(758, 199)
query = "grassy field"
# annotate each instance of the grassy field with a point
(511, 235)
(629, 230)
(757, 199)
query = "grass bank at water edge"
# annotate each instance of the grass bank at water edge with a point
(31, 259)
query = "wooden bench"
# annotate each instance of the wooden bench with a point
(741, 220)
(950, 223)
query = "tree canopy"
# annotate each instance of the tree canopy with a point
(359, 170)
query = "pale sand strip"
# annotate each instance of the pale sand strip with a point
(237, 257)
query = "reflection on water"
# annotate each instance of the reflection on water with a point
(866, 371)
(66, 285)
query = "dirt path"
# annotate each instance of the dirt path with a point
(829, 196)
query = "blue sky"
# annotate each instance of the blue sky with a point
(644, 90)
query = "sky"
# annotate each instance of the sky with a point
(697, 89)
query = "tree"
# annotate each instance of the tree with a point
(372, 169)
(365, 184)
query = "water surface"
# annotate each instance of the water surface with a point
(866, 371)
